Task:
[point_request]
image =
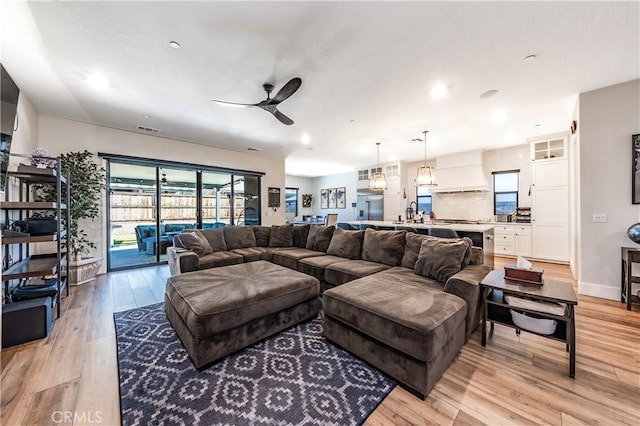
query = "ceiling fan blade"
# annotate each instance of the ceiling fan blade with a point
(231, 104)
(287, 90)
(283, 118)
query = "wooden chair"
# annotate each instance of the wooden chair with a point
(332, 219)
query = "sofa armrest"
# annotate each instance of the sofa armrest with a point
(466, 285)
(182, 260)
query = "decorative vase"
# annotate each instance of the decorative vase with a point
(84, 271)
(634, 233)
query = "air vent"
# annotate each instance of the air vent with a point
(254, 149)
(147, 129)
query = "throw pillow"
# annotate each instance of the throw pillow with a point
(467, 255)
(383, 246)
(195, 242)
(346, 244)
(239, 237)
(440, 258)
(411, 249)
(281, 236)
(215, 237)
(262, 234)
(319, 237)
(300, 234)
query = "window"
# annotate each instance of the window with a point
(423, 198)
(363, 174)
(505, 191)
(291, 201)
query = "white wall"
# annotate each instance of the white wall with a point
(608, 118)
(305, 185)
(349, 181)
(59, 135)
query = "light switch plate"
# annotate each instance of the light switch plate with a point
(599, 217)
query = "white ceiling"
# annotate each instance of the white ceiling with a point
(367, 70)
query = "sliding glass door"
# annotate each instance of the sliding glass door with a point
(150, 204)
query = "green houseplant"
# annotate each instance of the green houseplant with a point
(86, 183)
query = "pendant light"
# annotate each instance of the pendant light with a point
(426, 176)
(378, 181)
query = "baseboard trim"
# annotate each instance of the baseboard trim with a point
(599, 290)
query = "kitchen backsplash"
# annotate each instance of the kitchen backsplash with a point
(463, 205)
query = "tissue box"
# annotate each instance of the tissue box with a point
(531, 276)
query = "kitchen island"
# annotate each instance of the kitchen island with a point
(480, 233)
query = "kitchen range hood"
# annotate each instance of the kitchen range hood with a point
(460, 173)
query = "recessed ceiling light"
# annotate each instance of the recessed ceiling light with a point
(174, 44)
(352, 121)
(439, 91)
(253, 149)
(98, 81)
(305, 139)
(146, 116)
(489, 93)
(529, 58)
(498, 116)
(537, 125)
(510, 137)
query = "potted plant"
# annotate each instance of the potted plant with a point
(86, 183)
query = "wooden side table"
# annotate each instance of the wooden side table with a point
(629, 257)
(496, 310)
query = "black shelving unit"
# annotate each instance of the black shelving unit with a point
(19, 264)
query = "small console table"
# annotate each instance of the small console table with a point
(496, 310)
(629, 257)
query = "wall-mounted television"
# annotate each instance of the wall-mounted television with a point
(9, 93)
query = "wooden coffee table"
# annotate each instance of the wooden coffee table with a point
(495, 309)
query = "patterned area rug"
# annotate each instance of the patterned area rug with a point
(295, 377)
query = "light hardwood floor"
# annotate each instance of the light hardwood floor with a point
(513, 380)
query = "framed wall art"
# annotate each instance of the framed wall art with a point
(635, 169)
(332, 198)
(307, 199)
(274, 197)
(341, 197)
(324, 198)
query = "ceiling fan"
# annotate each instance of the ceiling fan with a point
(271, 104)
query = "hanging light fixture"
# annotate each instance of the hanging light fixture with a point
(426, 176)
(378, 181)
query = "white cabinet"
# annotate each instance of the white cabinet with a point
(522, 240)
(550, 200)
(503, 238)
(512, 239)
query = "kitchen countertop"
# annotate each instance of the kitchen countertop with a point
(482, 227)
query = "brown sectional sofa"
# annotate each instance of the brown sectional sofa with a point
(404, 302)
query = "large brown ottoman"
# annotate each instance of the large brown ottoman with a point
(410, 331)
(218, 311)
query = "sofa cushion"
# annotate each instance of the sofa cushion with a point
(404, 275)
(316, 265)
(347, 244)
(262, 235)
(300, 234)
(221, 258)
(319, 237)
(253, 254)
(239, 237)
(383, 246)
(411, 318)
(215, 238)
(195, 242)
(440, 258)
(289, 256)
(281, 236)
(412, 245)
(349, 270)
